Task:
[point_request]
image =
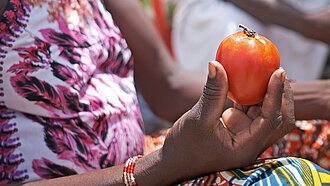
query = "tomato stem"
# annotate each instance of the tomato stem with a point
(247, 31)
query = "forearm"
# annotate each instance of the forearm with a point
(149, 170)
(312, 100)
(168, 89)
(315, 26)
(108, 176)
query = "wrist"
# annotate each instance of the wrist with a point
(151, 170)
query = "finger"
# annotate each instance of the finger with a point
(288, 114)
(271, 107)
(254, 112)
(210, 106)
(288, 117)
(235, 120)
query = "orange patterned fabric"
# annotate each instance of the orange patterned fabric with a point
(309, 140)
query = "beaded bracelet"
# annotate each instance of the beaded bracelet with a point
(128, 173)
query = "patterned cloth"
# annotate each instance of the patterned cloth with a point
(67, 98)
(281, 171)
(310, 140)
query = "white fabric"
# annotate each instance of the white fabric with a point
(200, 26)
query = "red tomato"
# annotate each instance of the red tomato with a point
(249, 60)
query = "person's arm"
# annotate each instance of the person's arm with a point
(168, 89)
(149, 171)
(311, 25)
(312, 99)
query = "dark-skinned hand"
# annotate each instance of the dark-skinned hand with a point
(201, 142)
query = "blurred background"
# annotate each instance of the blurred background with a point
(193, 29)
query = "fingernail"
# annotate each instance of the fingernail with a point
(212, 70)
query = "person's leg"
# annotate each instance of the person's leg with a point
(281, 171)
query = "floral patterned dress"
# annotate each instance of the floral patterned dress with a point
(67, 98)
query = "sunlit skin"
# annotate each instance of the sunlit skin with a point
(249, 62)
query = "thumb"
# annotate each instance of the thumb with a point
(210, 106)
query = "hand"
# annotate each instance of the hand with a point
(200, 143)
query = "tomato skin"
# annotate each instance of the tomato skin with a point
(249, 63)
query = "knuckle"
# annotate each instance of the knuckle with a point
(211, 91)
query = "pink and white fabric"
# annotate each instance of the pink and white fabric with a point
(67, 98)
